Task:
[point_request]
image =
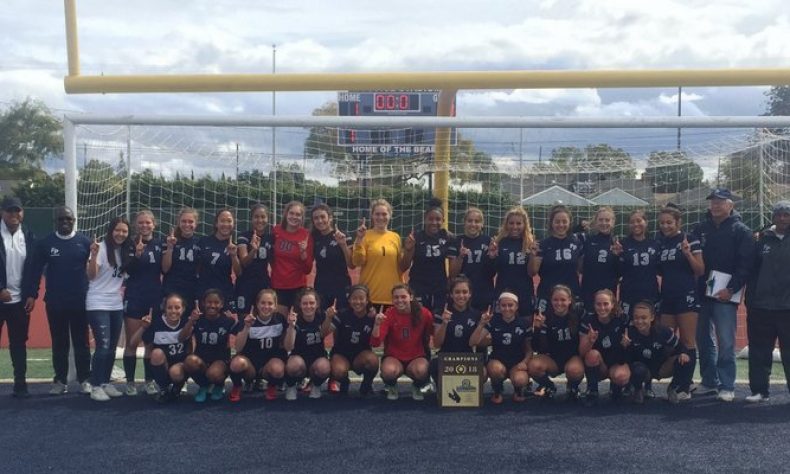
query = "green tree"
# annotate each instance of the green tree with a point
(778, 100)
(672, 172)
(594, 161)
(29, 133)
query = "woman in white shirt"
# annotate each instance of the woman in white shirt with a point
(104, 303)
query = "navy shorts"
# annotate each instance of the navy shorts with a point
(674, 305)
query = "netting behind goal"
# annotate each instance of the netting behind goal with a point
(127, 168)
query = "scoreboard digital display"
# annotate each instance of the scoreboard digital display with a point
(389, 103)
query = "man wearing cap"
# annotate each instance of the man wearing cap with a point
(768, 303)
(16, 301)
(64, 254)
(727, 247)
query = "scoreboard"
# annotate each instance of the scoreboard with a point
(390, 141)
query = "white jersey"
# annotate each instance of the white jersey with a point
(105, 290)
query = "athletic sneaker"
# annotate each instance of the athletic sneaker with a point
(97, 394)
(20, 391)
(58, 389)
(705, 390)
(110, 390)
(131, 389)
(725, 396)
(271, 392)
(290, 393)
(649, 393)
(333, 386)
(235, 393)
(392, 392)
(416, 393)
(683, 396)
(201, 394)
(496, 398)
(86, 388)
(315, 391)
(151, 388)
(218, 392)
(757, 398)
(428, 388)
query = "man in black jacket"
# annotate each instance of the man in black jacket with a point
(727, 247)
(16, 300)
(768, 303)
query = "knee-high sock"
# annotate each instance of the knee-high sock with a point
(591, 374)
(160, 376)
(129, 367)
(147, 369)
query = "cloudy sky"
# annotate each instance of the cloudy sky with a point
(202, 36)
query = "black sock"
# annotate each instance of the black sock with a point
(129, 366)
(317, 381)
(273, 382)
(591, 374)
(291, 381)
(498, 386)
(160, 376)
(544, 381)
(236, 378)
(147, 369)
(640, 375)
(176, 387)
(574, 385)
(200, 379)
(683, 374)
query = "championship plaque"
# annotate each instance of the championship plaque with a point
(460, 380)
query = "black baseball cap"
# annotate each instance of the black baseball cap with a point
(11, 203)
(722, 193)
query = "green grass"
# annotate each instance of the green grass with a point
(39, 366)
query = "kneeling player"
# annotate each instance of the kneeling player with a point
(352, 327)
(510, 337)
(304, 340)
(211, 329)
(556, 340)
(654, 352)
(168, 351)
(259, 347)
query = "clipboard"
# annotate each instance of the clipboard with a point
(717, 281)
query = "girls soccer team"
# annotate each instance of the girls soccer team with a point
(473, 293)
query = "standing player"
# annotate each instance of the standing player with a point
(557, 259)
(511, 251)
(473, 260)
(259, 347)
(404, 330)
(180, 259)
(639, 258)
(510, 337)
(556, 341)
(304, 341)
(293, 256)
(653, 352)
(168, 350)
(599, 263)
(219, 258)
(377, 254)
(426, 252)
(332, 257)
(255, 255)
(600, 346)
(680, 265)
(142, 296)
(208, 365)
(352, 329)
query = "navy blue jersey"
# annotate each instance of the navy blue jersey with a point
(331, 268)
(165, 337)
(508, 339)
(610, 336)
(677, 277)
(479, 269)
(560, 264)
(352, 333)
(256, 273)
(558, 338)
(144, 285)
(639, 268)
(428, 272)
(182, 277)
(211, 338)
(654, 348)
(599, 266)
(460, 328)
(513, 275)
(215, 267)
(309, 344)
(65, 261)
(265, 338)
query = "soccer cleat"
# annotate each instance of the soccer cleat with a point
(333, 386)
(416, 393)
(725, 396)
(683, 396)
(86, 388)
(546, 392)
(392, 392)
(572, 395)
(366, 388)
(757, 398)
(639, 396)
(110, 390)
(271, 392)
(131, 389)
(496, 399)
(315, 391)
(304, 385)
(290, 393)
(151, 388)
(649, 393)
(58, 389)
(235, 393)
(97, 394)
(201, 394)
(218, 393)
